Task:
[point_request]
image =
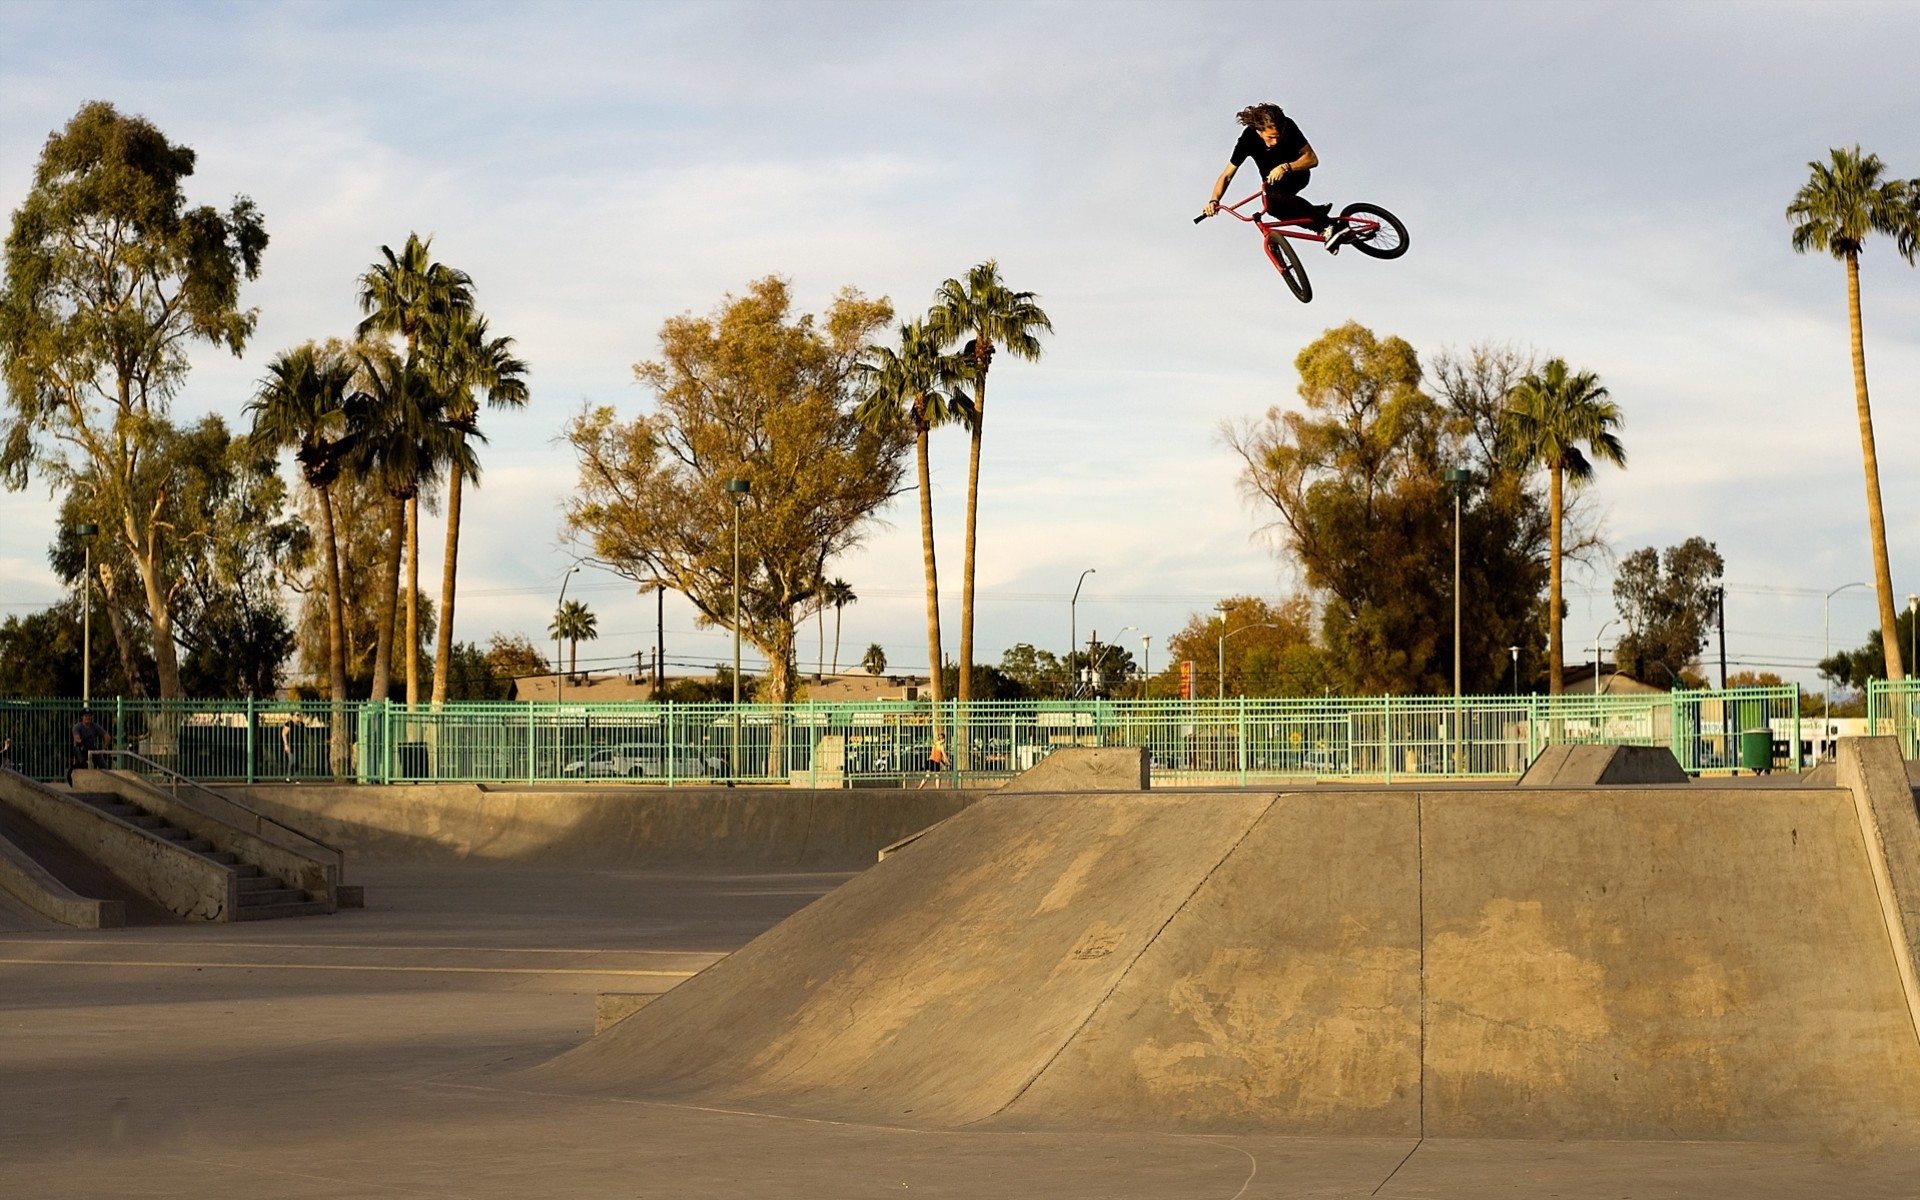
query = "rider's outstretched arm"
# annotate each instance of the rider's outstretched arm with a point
(1220, 189)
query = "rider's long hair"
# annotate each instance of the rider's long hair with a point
(1261, 116)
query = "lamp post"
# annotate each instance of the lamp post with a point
(559, 675)
(1093, 668)
(86, 534)
(1597, 644)
(1146, 663)
(1513, 652)
(738, 489)
(1073, 627)
(1826, 638)
(1220, 661)
(1457, 481)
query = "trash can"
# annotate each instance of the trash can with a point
(1756, 750)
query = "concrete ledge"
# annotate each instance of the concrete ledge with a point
(1873, 770)
(176, 879)
(611, 1008)
(1573, 765)
(33, 886)
(310, 874)
(1087, 769)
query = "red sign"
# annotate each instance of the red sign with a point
(1186, 680)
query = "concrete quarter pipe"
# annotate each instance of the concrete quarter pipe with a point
(1670, 963)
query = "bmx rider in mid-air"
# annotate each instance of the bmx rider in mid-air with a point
(1286, 161)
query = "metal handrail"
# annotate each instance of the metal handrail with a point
(175, 779)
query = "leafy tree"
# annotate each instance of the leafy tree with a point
(1668, 608)
(1846, 199)
(512, 655)
(575, 623)
(1551, 413)
(1038, 674)
(874, 660)
(400, 433)
(749, 392)
(302, 404)
(915, 384)
(988, 316)
(1269, 651)
(411, 297)
(40, 655)
(1854, 668)
(466, 362)
(109, 278)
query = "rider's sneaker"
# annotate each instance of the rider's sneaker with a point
(1336, 237)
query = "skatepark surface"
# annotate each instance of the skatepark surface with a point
(1153, 995)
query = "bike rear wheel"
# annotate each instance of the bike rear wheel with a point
(1387, 236)
(1286, 260)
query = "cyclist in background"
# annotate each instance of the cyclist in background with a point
(1286, 161)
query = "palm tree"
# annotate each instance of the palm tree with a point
(1549, 414)
(1839, 206)
(914, 384)
(839, 593)
(401, 435)
(464, 363)
(409, 296)
(989, 316)
(575, 622)
(875, 659)
(302, 403)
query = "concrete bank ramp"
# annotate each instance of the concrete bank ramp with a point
(1666, 963)
(1563, 765)
(620, 825)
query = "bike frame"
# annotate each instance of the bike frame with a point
(1293, 227)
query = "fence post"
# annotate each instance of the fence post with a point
(1240, 738)
(253, 737)
(1386, 738)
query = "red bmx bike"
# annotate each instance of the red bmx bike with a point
(1368, 228)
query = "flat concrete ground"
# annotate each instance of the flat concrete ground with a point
(373, 1053)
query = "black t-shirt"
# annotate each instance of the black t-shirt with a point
(1288, 148)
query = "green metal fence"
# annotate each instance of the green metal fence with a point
(1192, 742)
(1891, 711)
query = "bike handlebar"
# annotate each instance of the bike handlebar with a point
(1200, 218)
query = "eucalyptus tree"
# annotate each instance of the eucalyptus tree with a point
(466, 362)
(915, 384)
(988, 316)
(400, 434)
(1843, 201)
(410, 296)
(574, 623)
(110, 278)
(302, 404)
(1550, 414)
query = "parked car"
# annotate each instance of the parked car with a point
(642, 761)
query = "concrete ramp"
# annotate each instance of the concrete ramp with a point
(1563, 765)
(1087, 769)
(1614, 963)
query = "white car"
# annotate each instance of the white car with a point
(640, 761)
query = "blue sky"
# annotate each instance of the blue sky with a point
(1602, 182)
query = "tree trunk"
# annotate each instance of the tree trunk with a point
(837, 609)
(166, 659)
(820, 622)
(934, 648)
(413, 598)
(338, 754)
(1876, 516)
(449, 570)
(122, 639)
(965, 689)
(1555, 672)
(387, 603)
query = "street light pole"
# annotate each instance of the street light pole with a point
(738, 489)
(86, 534)
(1597, 644)
(1073, 628)
(1146, 663)
(1457, 480)
(559, 675)
(1513, 652)
(1826, 638)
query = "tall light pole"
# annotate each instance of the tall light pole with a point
(1457, 481)
(1597, 644)
(559, 675)
(1073, 626)
(1220, 661)
(1513, 652)
(1093, 668)
(1826, 638)
(1146, 662)
(86, 534)
(738, 489)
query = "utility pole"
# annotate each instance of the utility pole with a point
(1720, 597)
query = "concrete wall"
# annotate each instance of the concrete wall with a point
(34, 886)
(178, 880)
(614, 825)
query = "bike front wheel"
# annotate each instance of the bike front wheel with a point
(1379, 234)
(1286, 260)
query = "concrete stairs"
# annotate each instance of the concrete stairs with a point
(262, 897)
